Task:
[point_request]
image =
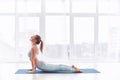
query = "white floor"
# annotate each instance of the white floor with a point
(109, 71)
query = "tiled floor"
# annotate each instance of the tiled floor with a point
(109, 71)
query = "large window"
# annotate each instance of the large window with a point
(79, 28)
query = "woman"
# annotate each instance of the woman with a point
(35, 40)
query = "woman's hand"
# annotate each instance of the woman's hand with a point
(29, 69)
(33, 70)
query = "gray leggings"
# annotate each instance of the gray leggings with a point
(52, 68)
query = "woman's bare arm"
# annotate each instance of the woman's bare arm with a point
(33, 59)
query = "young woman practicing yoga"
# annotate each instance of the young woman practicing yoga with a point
(35, 40)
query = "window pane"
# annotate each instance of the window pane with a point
(109, 36)
(109, 29)
(109, 6)
(84, 6)
(7, 31)
(83, 30)
(104, 29)
(57, 30)
(83, 38)
(57, 6)
(7, 6)
(29, 24)
(28, 6)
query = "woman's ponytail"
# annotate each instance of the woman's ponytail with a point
(39, 41)
(41, 46)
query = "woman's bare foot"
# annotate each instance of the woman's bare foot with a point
(76, 69)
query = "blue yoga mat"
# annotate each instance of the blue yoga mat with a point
(26, 71)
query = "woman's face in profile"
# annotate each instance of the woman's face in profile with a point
(33, 38)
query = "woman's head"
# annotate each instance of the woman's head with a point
(36, 39)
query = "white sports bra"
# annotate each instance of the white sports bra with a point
(29, 55)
